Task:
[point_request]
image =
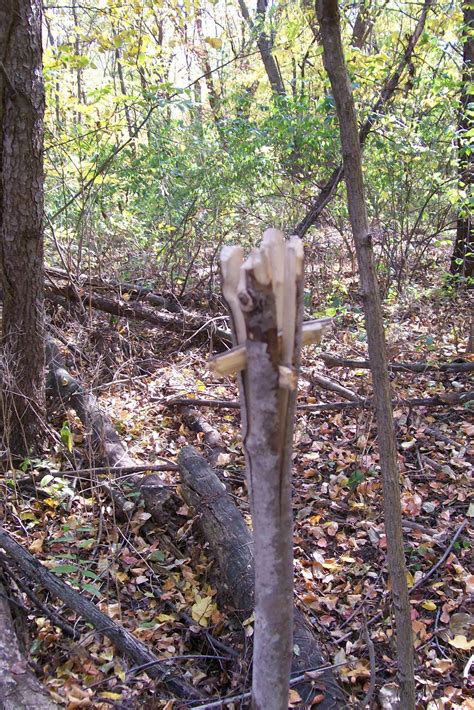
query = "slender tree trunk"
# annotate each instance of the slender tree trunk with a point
(333, 56)
(21, 230)
(123, 89)
(265, 45)
(462, 260)
(328, 190)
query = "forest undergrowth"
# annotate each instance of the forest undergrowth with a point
(161, 583)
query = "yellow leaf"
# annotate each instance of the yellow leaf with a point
(429, 606)
(461, 642)
(410, 580)
(165, 617)
(110, 696)
(331, 565)
(202, 610)
(119, 672)
(469, 582)
(215, 42)
(294, 698)
(37, 545)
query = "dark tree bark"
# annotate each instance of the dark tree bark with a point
(333, 57)
(21, 229)
(462, 260)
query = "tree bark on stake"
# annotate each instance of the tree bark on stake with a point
(264, 298)
(333, 57)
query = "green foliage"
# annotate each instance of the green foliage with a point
(159, 165)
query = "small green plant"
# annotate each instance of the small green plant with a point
(66, 436)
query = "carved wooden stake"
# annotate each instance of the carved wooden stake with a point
(264, 296)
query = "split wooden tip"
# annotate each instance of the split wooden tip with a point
(277, 262)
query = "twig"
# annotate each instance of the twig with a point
(245, 696)
(169, 466)
(433, 569)
(418, 584)
(179, 401)
(123, 639)
(334, 361)
(448, 399)
(52, 615)
(371, 688)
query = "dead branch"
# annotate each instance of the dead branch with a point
(124, 640)
(333, 361)
(106, 443)
(185, 324)
(327, 384)
(120, 288)
(441, 560)
(195, 421)
(444, 400)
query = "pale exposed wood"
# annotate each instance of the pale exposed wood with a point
(235, 360)
(269, 297)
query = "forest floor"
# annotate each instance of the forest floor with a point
(340, 546)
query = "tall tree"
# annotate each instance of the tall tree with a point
(334, 62)
(387, 91)
(462, 261)
(21, 218)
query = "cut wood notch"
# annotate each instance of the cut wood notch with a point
(264, 294)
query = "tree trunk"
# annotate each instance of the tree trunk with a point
(333, 57)
(328, 190)
(21, 229)
(462, 260)
(265, 45)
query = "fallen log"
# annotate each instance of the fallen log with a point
(185, 324)
(230, 540)
(119, 287)
(439, 400)
(20, 689)
(107, 446)
(331, 386)
(333, 361)
(195, 421)
(106, 443)
(124, 640)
